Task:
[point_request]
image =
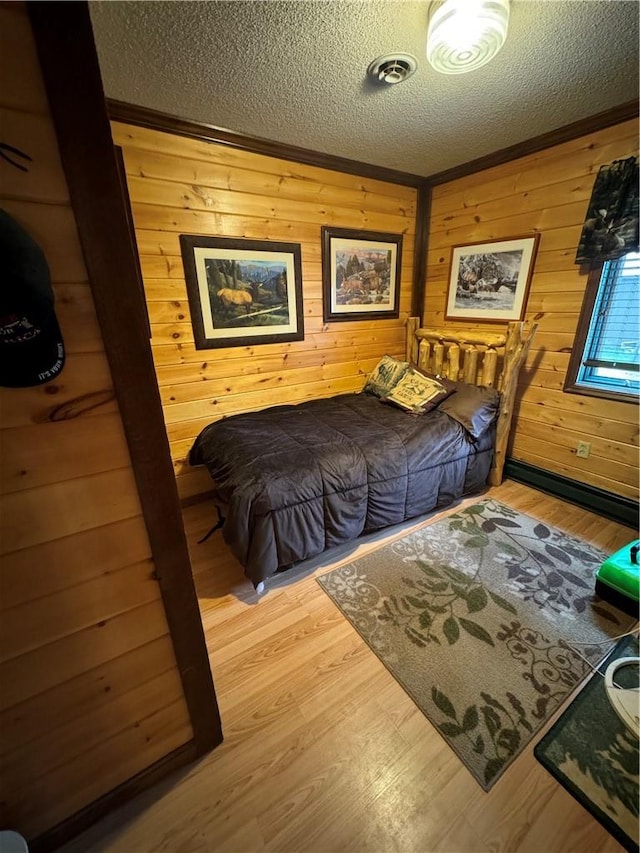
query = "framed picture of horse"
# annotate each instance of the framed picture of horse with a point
(489, 282)
(360, 274)
(242, 292)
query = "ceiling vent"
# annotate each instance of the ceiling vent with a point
(393, 68)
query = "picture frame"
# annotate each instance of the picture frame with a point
(242, 292)
(360, 274)
(489, 281)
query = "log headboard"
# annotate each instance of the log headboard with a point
(479, 359)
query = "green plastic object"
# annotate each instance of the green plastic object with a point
(621, 572)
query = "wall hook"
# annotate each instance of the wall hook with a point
(4, 146)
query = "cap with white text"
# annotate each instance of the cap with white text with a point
(31, 345)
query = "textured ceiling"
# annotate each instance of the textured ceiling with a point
(295, 72)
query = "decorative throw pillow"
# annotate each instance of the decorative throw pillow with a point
(475, 407)
(385, 376)
(417, 392)
(446, 383)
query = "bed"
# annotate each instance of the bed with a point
(293, 481)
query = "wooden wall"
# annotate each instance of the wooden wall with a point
(90, 693)
(546, 192)
(180, 185)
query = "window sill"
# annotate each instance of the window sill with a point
(585, 391)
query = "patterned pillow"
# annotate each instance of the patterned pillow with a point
(417, 393)
(385, 376)
(448, 384)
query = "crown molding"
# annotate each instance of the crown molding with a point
(144, 117)
(615, 115)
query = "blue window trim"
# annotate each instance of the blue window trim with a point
(580, 379)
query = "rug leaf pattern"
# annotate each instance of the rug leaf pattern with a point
(474, 615)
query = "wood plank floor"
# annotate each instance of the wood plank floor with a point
(323, 750)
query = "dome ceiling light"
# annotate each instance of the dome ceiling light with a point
(466, 34)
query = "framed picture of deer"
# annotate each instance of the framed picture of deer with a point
(242, 292)
(489, 282)
(360, 274)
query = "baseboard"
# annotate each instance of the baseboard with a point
(615, 507)
(54, 838)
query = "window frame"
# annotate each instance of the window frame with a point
(580, 342)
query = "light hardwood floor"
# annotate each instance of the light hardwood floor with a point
(323, 750)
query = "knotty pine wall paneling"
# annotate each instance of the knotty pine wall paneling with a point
(546, 193)
(90, 694)
(186, 186)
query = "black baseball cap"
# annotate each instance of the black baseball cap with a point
(31, 345)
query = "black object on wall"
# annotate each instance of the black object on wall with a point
(615, 507)
(31, 345)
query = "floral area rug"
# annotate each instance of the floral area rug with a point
(594, 755)
(479, 616)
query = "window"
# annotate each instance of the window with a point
(605, 359)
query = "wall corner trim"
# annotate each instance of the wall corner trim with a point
(69, 63)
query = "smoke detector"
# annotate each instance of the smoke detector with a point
(392, 68)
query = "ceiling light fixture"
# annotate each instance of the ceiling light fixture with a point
(466, 34)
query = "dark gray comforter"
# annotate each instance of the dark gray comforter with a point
(296, 480)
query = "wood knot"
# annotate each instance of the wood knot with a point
(80, 405)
